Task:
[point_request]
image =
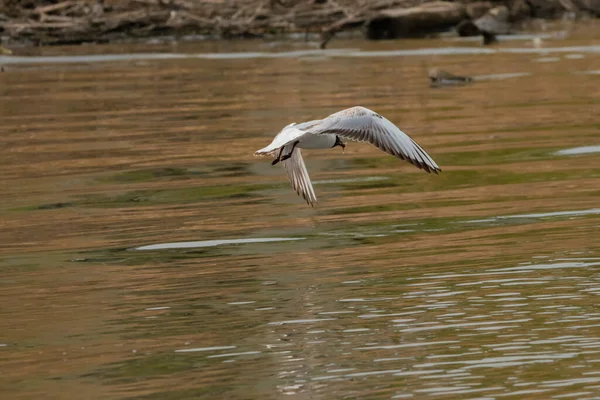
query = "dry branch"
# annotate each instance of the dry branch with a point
(73, 21)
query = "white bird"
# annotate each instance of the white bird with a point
(357, 124)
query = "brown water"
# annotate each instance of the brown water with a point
(481, 282)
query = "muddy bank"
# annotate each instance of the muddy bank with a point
(46, 22)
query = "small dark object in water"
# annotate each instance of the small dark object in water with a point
(439, 77)
(467, 28)
(488, 38)
(53, 206)
(325, 38)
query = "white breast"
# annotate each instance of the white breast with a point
(309, 141)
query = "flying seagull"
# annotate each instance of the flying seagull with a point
(357, 124)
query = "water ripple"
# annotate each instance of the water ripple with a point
(578, 150)
(291, 54)
(211, 243)
(213, 348)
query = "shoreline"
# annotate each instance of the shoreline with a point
(121, 21)
(554, 46)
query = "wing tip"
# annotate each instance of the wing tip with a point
(436, 170)
(310, 198)
(425, 167)
(302, 186)
(262, 152)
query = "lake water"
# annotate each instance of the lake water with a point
(146, 253)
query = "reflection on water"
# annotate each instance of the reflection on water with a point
(481, 282)
(573, 213)
(214, 348)
(579, 150)
(518, 36)
(433, 51)
(547, 59)
(351, 180)
(210, 243)
(501, 76)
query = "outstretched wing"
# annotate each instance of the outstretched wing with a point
(298, 175)
(363, 125)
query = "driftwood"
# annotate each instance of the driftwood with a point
(76, 21)
(415, 21)
(441, 78)
(97, 20)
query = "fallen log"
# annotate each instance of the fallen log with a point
(415, 21)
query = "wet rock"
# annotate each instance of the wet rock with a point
(488, 38)
(415, 21)
(478, 9)
(519, 10)
(590, 6)
(494, 22)
(550, 8)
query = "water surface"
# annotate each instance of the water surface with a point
(481, 282)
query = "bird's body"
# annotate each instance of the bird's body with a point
(294, 132)
(310, 141)
(356, 124)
